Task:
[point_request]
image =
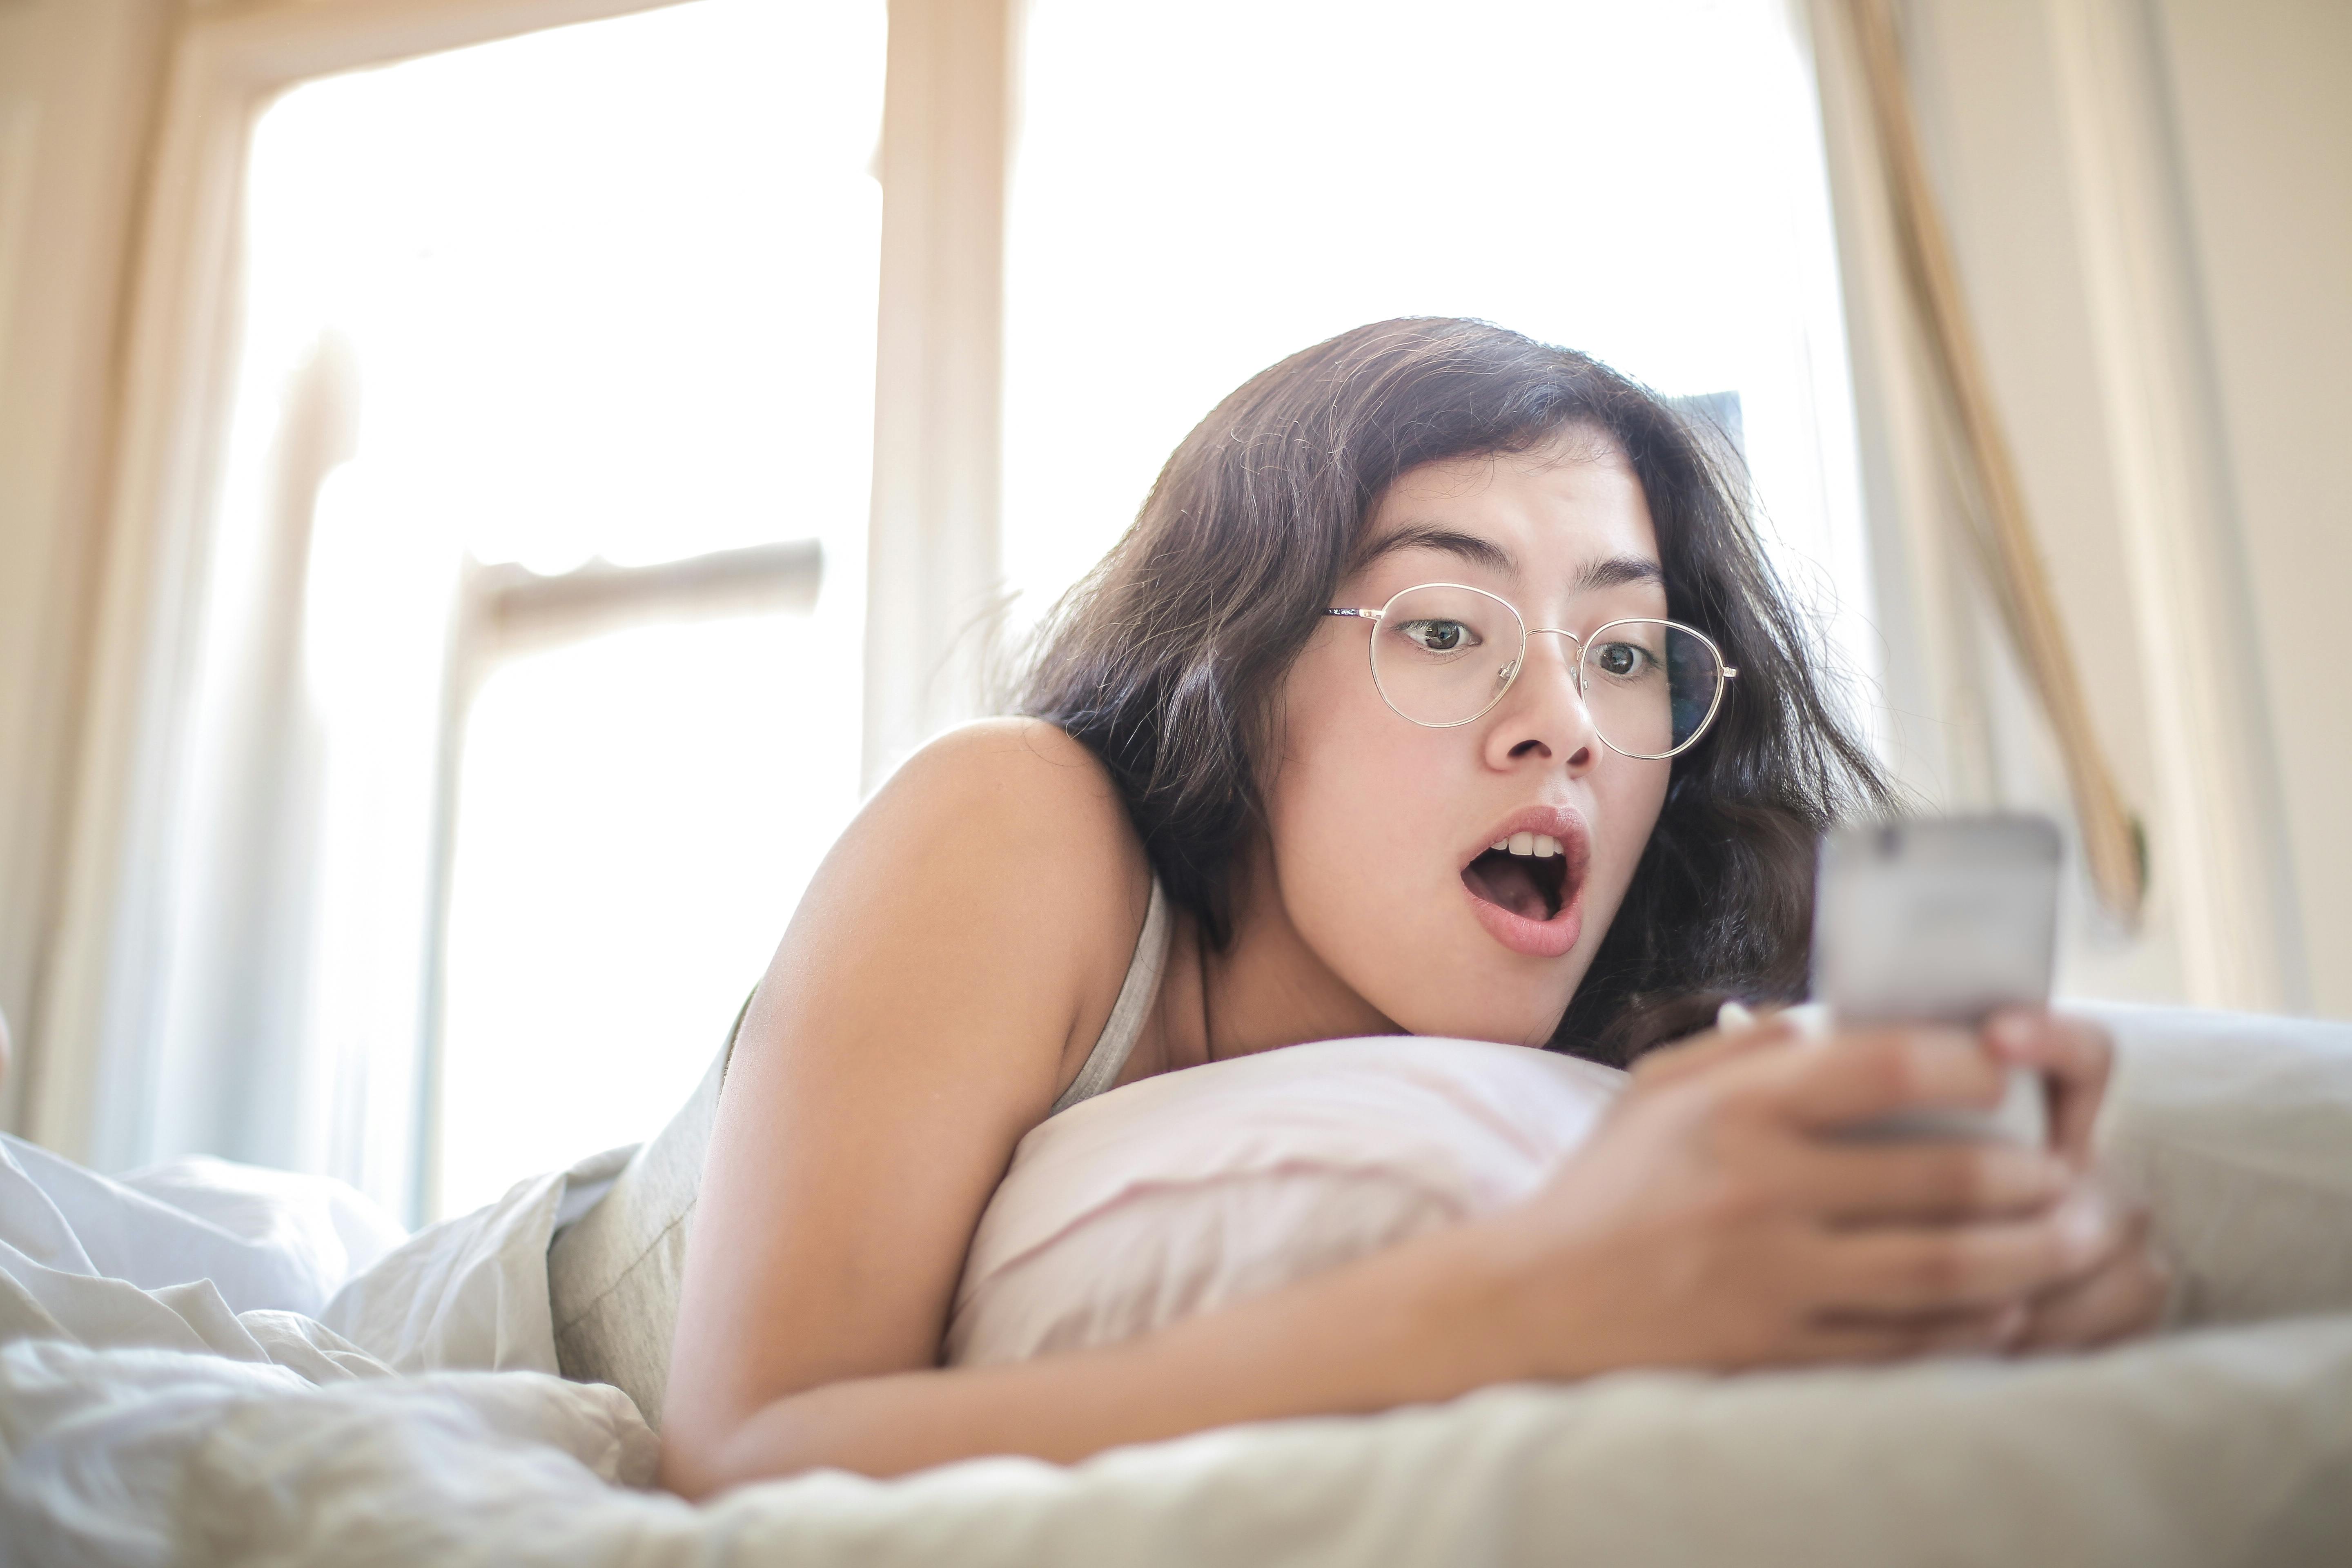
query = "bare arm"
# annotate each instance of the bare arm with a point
(949, 967)
(952, 962)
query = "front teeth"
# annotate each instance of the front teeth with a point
(1540, 846)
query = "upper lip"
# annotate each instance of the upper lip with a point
(1562, 823)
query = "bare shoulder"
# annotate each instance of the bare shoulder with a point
(1032, 806)
(1001, 854)
(1017, 770)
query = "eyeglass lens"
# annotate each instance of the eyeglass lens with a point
(1444, 654)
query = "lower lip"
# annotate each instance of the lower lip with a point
(1537, 939)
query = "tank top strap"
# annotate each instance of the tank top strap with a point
(1127, 1015)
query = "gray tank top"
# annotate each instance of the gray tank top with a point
(1127, 1015)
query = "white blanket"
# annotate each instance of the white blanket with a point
(232, 1415)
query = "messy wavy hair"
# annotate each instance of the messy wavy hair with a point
(1167, 659)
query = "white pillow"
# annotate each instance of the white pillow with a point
(1195, 1189)
(2236, 1127)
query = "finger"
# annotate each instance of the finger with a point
(1940, 1269)
(1671, 1064)
(1809, 1018)
(1859, 1076)
(1930, 1180)
(2123, 1297)
(2075, 1058)
(1979, 1331)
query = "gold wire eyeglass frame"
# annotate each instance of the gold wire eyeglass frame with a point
(1576, 666)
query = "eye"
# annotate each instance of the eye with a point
(1438, 637)
(1623, 660)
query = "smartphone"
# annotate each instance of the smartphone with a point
(1943, 920)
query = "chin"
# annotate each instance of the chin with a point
(1477, 998)
(1518, 1028)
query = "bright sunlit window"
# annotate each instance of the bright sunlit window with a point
(571, 340)
(1202, 190)
(605, 294)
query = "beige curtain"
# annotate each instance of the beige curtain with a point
(1993, 509)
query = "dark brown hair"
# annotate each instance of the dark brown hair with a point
(1167, 659)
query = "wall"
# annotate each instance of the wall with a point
(2264, 97)
(78, 80)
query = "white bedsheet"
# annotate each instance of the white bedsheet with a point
(411, 1417)
(2222, 1446)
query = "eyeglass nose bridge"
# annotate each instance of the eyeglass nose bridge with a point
(1510, 673)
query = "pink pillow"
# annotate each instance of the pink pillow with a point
(1193, 1189)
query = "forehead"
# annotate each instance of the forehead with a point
(1549, 513)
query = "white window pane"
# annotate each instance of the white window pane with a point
(1203, 189)
(637, 818)
(602, 291)
(613, 285)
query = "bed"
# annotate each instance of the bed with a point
(207, 1363)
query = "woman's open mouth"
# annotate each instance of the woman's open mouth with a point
(1524, 889)
(1530, 882)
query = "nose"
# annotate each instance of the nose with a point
(1543, 715)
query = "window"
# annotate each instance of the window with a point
(1201, 191)
(582, 324)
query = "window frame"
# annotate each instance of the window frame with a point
(931, 549)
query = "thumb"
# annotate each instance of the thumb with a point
(1738, 1032)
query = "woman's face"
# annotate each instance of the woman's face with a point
(1382, 829)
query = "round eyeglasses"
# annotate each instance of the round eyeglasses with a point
(1443, 655)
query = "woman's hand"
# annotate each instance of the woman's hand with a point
(1716, 1218)
(2123, 1294)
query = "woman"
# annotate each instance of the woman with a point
(1377, 695)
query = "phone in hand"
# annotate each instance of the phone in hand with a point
(1942, 920)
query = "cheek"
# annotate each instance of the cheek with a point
(1330, 755)
(1355, 793)
(1628, 800)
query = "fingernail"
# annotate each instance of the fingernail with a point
(2084, 1225)
(1731, 1018)
(1810, 1020)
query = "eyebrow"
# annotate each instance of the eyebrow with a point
(1610, 571)
(1618, 570)
(1467, 547)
